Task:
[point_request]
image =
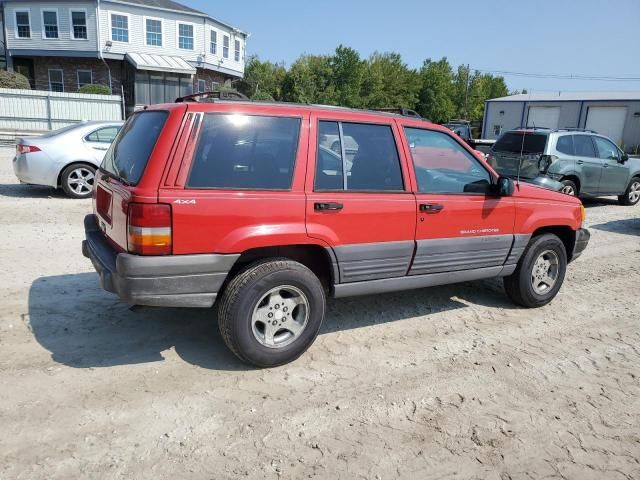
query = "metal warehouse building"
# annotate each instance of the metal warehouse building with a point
(614, 114)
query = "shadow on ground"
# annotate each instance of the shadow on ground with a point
(599, 201)
(627, 226)
(20, 190)
(83, 326)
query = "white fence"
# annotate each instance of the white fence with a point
(37, 110)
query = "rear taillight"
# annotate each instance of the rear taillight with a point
(149, 228)
(27, 148)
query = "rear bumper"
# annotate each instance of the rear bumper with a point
(160, 281)
(582, 240)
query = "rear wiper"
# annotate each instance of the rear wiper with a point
(109, 174)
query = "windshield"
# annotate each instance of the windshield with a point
(129, 153)
(525, 142)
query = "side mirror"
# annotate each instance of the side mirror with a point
(624, 157)
(505, 187)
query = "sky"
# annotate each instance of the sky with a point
(561, 37)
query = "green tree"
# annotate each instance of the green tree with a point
(262, 80)
(389, 82)
(436, 91)
(348, 75)
(310, 80)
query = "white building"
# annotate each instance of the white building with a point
(153, 50)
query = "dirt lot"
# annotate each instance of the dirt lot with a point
(450, 382)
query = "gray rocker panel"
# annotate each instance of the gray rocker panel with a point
(371, 261)
(453, 254)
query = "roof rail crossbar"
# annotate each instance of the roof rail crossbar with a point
(575, 129)
(405, 112)
(532, 128)
(212, 96)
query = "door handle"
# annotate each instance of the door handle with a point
(431, 207)
(328, 206)
(579, 162)
(606, 165)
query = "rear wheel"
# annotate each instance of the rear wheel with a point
(632, 195)
(77, 180)
(569, 187)
(540, 272)
(271, 312)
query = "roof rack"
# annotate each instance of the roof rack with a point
(212, 96)
(575, 129)
(405, 112)
(532, 128)
(458, 121)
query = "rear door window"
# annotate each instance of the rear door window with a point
(565, 145)
(525, 142)
(245, 152)
(357, 157)
(583, 146)
(128, 155)
(103, 135)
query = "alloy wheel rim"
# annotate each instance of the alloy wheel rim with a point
(80, 181)
(544, 273)
(568, 189)
(634, 192)
(280, 316)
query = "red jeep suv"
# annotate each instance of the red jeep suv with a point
(264, 209)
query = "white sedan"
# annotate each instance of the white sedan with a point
(66, 158)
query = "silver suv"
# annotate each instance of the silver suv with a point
(585, 163)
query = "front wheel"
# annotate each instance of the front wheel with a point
(540, 272)
(271, 312)
(77, 180)
(632, 195)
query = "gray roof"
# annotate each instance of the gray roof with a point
(569, 96)
(166, 4)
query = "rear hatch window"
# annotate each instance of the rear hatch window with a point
(518, 153)
(127, 157)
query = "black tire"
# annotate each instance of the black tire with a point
(242, 295)
(569, 188)
(519, 285)
(631, 195)
(70, 178)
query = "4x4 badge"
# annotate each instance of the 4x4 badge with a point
(185, 202)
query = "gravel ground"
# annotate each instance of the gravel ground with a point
(450, 382)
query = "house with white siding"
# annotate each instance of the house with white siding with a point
(152, 51)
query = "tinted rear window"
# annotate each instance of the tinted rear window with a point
(245, 152)
(128, 155)
(525, 142)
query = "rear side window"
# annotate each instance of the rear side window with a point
(103, 135)
(357, 157)
(525, 142)
(245, 152)
(565, 145)
(128, 155)
(583, 146)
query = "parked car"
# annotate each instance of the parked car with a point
(240, 204)
(585, 163)
(463, 129)
(66, 158)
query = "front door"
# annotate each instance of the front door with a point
(24, 66)
(358, 199)
(615, 175)
(460, 225)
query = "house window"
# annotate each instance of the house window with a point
(85, 77)
(50, 23)
(236, 50)
(154, 32)
(23, 24)
(119, 28)
(215, 86)
(79, 25)
(202, 86)
(213, 47)
(225, 46)
(185, 36)
(56, 83)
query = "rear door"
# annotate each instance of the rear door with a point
(615, 175)
(358, 197)
(100, 140)
(459, 225)
(587, 163)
